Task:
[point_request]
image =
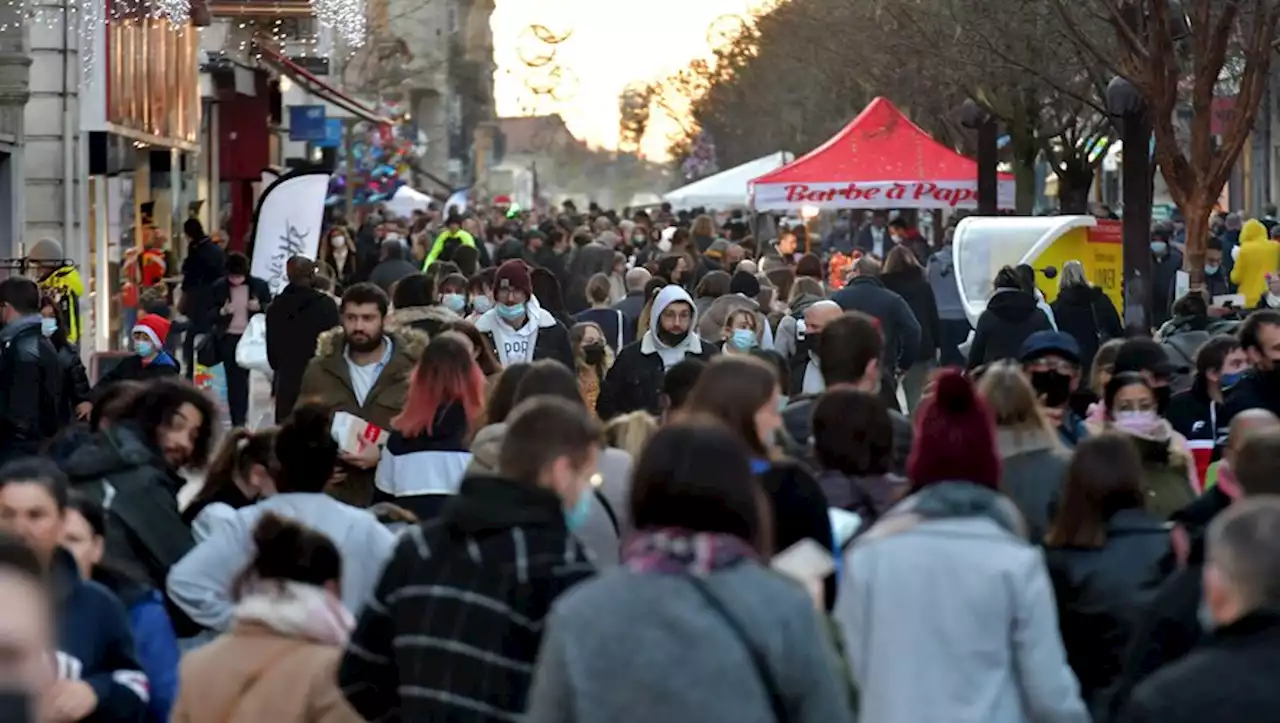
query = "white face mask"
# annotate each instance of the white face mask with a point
(338, 243)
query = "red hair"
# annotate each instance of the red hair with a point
(446, 374)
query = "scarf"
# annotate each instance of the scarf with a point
(297, 610)
(676, 551)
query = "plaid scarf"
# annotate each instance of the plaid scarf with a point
(678, 551)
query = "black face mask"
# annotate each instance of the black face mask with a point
(1054, 386)
(593, 354)
(669, 338)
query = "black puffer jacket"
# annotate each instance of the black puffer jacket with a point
(124, 472)
(1088, 315)
(1100, 592)
(635, 381)
(1011, 316)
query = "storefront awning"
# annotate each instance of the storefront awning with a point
(317, 87)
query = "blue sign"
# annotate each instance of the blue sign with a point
(332, 133)
(306, 123)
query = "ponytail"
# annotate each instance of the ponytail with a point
(240, 450)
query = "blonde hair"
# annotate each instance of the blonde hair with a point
(805, 285)
(631, 432)
(1012, 400)
(742, 311)
(703, 226)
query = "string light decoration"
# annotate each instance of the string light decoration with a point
(177, 12)
(347, 17)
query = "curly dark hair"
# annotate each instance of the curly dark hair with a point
(155, 405)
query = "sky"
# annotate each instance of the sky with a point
(614, 43)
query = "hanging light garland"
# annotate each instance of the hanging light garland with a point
(344, 16)
(177, 12)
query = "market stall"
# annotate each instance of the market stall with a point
(727, 189)
(880, 160)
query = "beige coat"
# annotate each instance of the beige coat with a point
(254, 675)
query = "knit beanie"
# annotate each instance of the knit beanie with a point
(155, 327)
(745, 283)
(513, 274)
(955, 437)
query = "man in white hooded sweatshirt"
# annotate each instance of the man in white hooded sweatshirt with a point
(635, 380)
(518, 329)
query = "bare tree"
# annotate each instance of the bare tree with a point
(1185, 54)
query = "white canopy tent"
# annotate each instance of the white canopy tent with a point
(406, 200)
(726, 189)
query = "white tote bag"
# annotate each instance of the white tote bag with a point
(251, 350)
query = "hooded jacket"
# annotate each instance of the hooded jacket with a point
(419, 473)
(1010, 317)
(458, 613)
(132, 369)
(95, 644)
(711, 325)
(897, 322)
(911, 284)
(1089, 317)
(429, 320)
(550, 339)
(635, 379)
(609, 522)
(327, 380)
(295, 321)
(124, 473)
(153, 638)
(201, 583)
(1258, 257)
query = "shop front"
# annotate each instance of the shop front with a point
(142, 118)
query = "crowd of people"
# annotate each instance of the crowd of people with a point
(643, 467)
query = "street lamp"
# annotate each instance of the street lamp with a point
(1129, 111)
(976, 117)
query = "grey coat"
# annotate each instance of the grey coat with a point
(953, 620)
(598, 535)
(632, 648)
(1033, 469)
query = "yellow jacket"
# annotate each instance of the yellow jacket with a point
(1257, 257)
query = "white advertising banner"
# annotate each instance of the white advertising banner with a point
(287, 223)
(882, 194)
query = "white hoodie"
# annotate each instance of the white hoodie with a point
(515, 346)
(690, 344)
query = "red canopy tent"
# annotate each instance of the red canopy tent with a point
(880, 160)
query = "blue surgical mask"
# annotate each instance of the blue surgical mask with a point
(1230, 380)
(743, 339)
(1210, 269)
(783, 401)
(576, 516)
(144, 348)
(48, 325)
(481, 303)
(1159, 247)
(511, 312)
(454, 302)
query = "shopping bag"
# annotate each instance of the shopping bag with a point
(251, 350)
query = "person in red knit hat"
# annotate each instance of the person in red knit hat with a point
(150, 360)
(955, 437)
(945, 588)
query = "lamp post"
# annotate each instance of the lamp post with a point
(976, 117)
(1129, 110)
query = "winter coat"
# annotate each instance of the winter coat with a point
(1168, 472)
(913, 287)
(132, 369)
(95, 644)
(897, 322)
(1102, 591)
(254, 673)
(1257, 390)
(123, 471)
(1231, 677)
(942, 279)
(946, 589)
(201, 583)
(75, 384)
(799, 510)
(632, 305)
(1258, 256)
(30, 388)
(1089, 317)
(785, 341)
(711, 325)
(295, 321)
(205, 263)
(420, 473)
(610, 642)
(634, 382)
(345, 276)
(1033, 468)
(220, 294)
(481, 578)
(1164, 279)
(617, 333)
(610, 520)
(552, 340)
(153, 639)
(1010, 317)
(327, 380)
(429, 320)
